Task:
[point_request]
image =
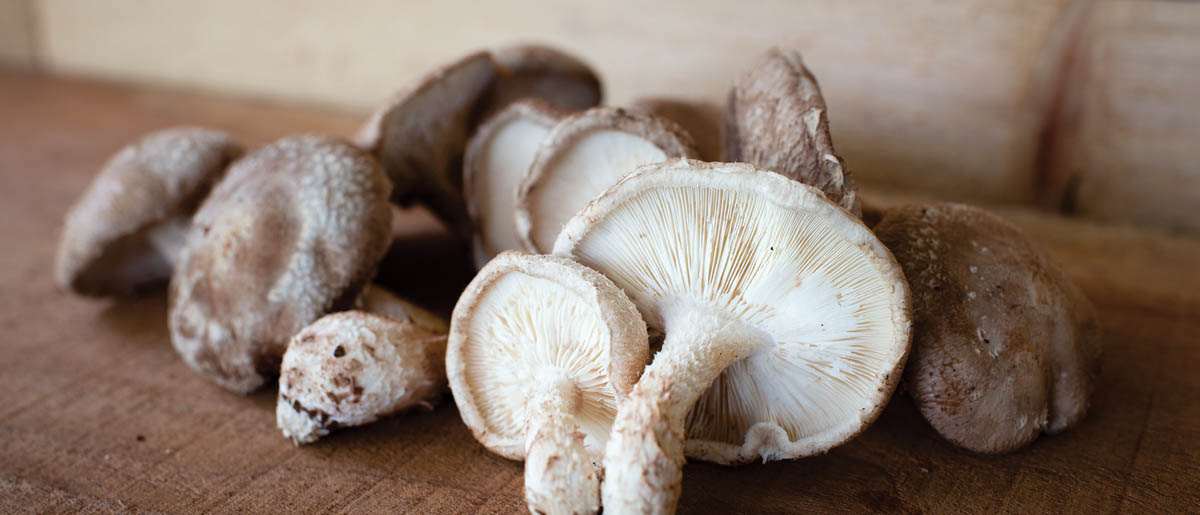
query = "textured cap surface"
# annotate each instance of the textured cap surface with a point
(293, 231)
(351, 368)
(123, 233)
(776, 119)
(1005, 345)
(419, 136)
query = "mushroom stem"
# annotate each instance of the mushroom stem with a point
(644, 458)
(168, 238)
(559, 474)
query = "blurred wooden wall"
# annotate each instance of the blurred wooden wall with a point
(1088, 107)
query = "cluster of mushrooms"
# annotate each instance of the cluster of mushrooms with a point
(634, 306)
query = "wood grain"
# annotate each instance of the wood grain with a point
(98, 414)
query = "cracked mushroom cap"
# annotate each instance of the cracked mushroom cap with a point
(785, 320)
(497, 158)
(123, 234)
(351, 368)
(536, 71)
(584, 155)
(420, 135)
(529, 316)
(294, 231)
(776, 119)
(1006, 347)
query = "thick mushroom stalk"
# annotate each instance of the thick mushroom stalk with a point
(559, 474)
(645, 453)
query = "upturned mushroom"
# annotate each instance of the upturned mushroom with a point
(293, 231)
(540, 350)
(776, 119)
(497, 158)
(123, 234)
(584, 155)
(419, 136)
(786, 321)
(1006, 347)
(541, 72)
(352, 368)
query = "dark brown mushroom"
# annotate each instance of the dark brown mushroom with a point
(294, 231)
(1005, 345)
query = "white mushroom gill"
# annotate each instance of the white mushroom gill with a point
(784, 317)
(506, 157)
(792, 276)
(528, 333)
(581, 171)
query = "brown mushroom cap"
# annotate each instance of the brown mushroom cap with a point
(776, 119)
(584, 155)
(351, 368)
(420, 135)
(1005, 345)
(497, 158)
(123, 233)
(702, 120)
(293, 231)
(536, 71)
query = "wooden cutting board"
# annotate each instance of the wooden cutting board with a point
(98, 414)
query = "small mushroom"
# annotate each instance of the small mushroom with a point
(294, 231)
(1006, 347)
(536, 71)
(351, 368)
(702, 120)
(786, 321)
(584, 155)
(420, 135)
(776, 119)
(540, 350)
(123, 234)
(497, 158)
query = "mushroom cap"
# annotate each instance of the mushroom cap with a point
(525, 314)
(293, 231)
(377, 300)
(702, 120)
(1006, 346)
(122, 234)
(584, 155)
(776, 119)
(775, 255)
(537, 71)
(496, 160)
(351, 368)
(419, 136)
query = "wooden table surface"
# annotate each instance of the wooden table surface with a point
(98, 414)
